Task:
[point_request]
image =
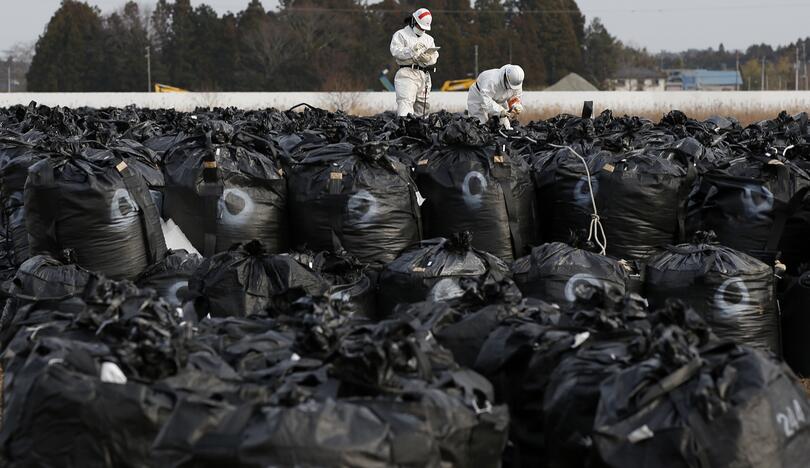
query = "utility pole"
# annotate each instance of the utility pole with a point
(804, 60)
(148, 70)
(763, 75)
(737, 73)
(10, 61)
(476, 61)
(797, 67)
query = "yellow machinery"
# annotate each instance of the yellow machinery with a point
(458, 85)
(162, 88)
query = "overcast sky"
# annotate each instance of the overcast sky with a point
(655, 24)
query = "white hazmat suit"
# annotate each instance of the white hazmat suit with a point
(492, 96)
(412, 82)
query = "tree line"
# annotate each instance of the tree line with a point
(306, 44)
(334, 45)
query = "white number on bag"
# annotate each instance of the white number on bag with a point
(791, 419)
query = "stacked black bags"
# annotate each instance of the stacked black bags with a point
(471, 184)
(732, 291)
(553, 271)
(355, 199)
(96, 204)
(224, 187)
(410, 277)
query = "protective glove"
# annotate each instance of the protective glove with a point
(417, 50)
(503, 114)
(517, 109)
(505, 123)
(424, 60)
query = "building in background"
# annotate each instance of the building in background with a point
(638, 79)
(704, 80)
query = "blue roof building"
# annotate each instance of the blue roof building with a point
(704, 80)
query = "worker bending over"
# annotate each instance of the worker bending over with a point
(416, 54)
(497, 93)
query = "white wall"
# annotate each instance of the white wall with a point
(371, 102)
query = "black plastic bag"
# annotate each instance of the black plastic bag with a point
(563, 192)
(747, 202)
(642, 203)
(17, 154)
(552, 272)
(732, 291)
(224, 187)
(731, 406)
(247, 280)
(355, 199)
(95, 204)
(478, 187)
(410, 277)
(170, 276)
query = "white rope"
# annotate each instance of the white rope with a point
(596, 232)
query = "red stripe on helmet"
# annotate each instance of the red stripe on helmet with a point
(427, 13)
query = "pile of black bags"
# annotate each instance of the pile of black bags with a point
(384, 291)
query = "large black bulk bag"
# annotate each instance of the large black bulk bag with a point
(225, 187)
(731, 406)
(480, 188)
(519, 357)
(95, 204)
(247, 280)
(732, 291)
(795, 307)
(170, 276)
(642, 202)
(552, 272)
(564, 200)
(17, 154)
(353, 198)
(572, 395)
(747, 202)
(410, 277)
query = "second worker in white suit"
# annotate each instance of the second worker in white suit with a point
(416, 54)
(497, 93)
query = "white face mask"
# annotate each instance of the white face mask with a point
(417, 30)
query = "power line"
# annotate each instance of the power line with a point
(729, 8)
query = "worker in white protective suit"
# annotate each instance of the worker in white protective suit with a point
(497, 93)
(416, 54)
